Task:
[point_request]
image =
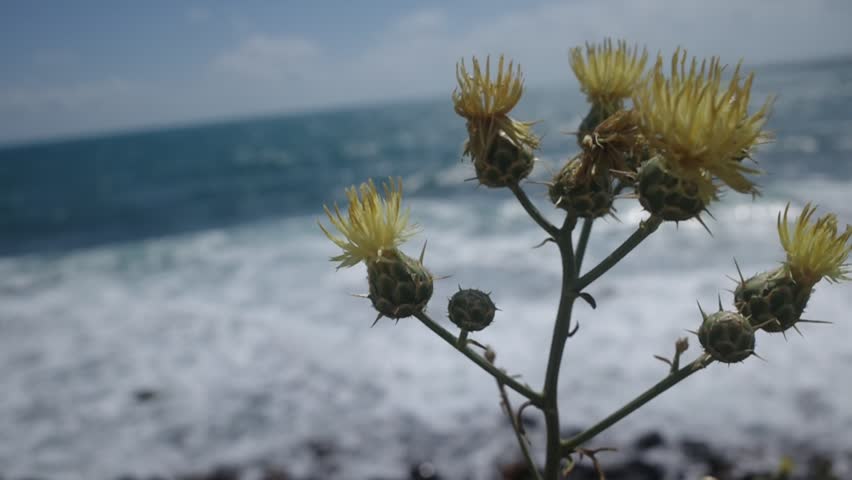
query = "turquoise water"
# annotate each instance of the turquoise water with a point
(187, 262)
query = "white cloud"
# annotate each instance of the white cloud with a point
(421, 21)
(269, 57)
(415, 55)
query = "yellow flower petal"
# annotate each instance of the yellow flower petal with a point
(477, 96)
(373, 224)
(608, 75)
(815, 249)
(485, 101)
(699, 125)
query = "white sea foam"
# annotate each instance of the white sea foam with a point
(254, 348)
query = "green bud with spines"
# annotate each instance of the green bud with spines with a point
(400, 286)
(772, 301)
(505, 163)
(582, 195)
(471, 309)
(726, 336)
(669, 197)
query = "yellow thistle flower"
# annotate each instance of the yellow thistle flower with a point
(479, 97)
(815, 249)
(697, 124)
(485, 102)
(374, 224)
(608, 75)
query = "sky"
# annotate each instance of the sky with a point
(83, 67)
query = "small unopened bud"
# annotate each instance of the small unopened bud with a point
(581, 189)
(490, 355)
(667, 196)
(505, 163)
(726, 336)
(681, 345)
(471, 309)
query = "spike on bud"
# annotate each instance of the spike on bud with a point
(471, 309)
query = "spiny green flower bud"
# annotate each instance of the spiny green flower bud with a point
(400, 286)
(772, 301)
(370, 232)
(499, 146)
(504, 164)
(471, 309)
(726, 336)
(581, 191)
(670, 197)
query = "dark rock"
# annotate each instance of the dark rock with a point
(321, 449)
(696, 449)
(516, 471)
(584, 471)
(275, 474)
(649, 440)
(145, 394)
(424, 471)
(218, 473)
(821, 467)
(699, 451)
(636, 469)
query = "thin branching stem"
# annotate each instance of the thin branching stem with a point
(570, 445)
(501, 376)
(516, 426)
(533, 211)
(646, 228)
(561, 329)
(582, 242)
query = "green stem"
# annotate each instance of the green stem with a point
(645, 228)
(516, 426)
(533, 211)
(570, 445)
(561, 329)
(501, 376)
(462, 340)
(582, 242)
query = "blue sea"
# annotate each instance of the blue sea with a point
(167, 304)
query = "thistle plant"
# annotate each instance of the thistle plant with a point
(686, 138)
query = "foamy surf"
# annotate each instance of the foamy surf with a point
(243, 346)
